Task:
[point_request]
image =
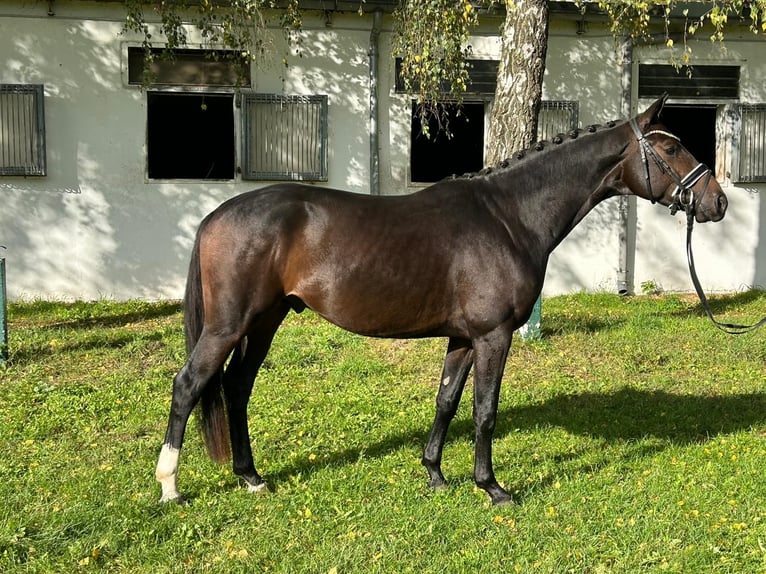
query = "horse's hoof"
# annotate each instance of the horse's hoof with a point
(501, 498)
(439, 487)
(175, 497)
(503, 501)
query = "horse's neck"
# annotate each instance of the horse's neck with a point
(550, 194)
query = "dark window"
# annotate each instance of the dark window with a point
(699, 83)
(190, 136)
(695, 125)
(457, 151)
(482, 76)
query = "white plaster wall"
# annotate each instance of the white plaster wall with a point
(95, 226)
(585, 68)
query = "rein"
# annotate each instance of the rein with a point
(730, 328)
(684, 200)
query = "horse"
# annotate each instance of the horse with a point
(463, 259)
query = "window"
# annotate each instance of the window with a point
(482, 77)
(284, 137)
(190, 135)
(698, 83)
(187, 68)
(696, 126)
(751, 143)
(700, 109)
(556, 117)
(462, 150)
(441, 155)
(22, 130)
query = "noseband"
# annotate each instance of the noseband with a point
(683, 195)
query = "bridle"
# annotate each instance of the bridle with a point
(683, 199)
(683, 196)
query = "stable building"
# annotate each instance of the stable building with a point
(104, 176)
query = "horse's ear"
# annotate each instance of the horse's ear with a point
(652, 114)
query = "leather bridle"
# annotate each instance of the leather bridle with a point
(683, 200)
(683, 196)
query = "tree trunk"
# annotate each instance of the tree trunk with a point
(513, 120)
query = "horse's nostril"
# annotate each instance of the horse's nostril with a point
(722, 203)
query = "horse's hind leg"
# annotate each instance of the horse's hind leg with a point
(204, 363)
(238, 385)
(457, 364)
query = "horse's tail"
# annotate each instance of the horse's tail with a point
(212, 412)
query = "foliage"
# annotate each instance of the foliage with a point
(431, 37)
(632, 438)
(233, 30)
(634, 18)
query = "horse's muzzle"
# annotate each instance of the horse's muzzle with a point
(712, 207)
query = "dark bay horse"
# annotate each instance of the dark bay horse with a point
(463, 259)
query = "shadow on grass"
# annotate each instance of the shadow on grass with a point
(560, 324)
(34, 353)
(583, 322)
(734, 302)
(627, 417)
(140, 312)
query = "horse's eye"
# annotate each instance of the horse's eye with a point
(671, 149)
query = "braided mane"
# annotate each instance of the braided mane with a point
(542, 145)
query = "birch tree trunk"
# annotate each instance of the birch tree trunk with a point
(513, 120)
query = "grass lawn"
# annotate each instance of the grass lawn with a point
(633, 437)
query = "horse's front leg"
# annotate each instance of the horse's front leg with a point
(457, 364)
(491, 352)
(237, 387)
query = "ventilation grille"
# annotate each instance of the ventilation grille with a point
(697, 83)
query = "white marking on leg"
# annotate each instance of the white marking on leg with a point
(167, 472)
(258, 488)
(446, 381)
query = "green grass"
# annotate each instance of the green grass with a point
(633, 438)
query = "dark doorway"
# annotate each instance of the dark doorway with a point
(190, 136)
(443, 154)
(695, 125)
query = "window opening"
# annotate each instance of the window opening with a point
(703, 83)
(442, 155)
(555, 117)
(696, 126)
(190, 136)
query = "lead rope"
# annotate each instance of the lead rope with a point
(730, 328)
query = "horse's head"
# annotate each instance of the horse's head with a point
(661, 170)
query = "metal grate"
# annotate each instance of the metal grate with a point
(555, 117)
(752, 143)
(284, 137)
(22, 130)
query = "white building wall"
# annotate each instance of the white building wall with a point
(97, 227)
